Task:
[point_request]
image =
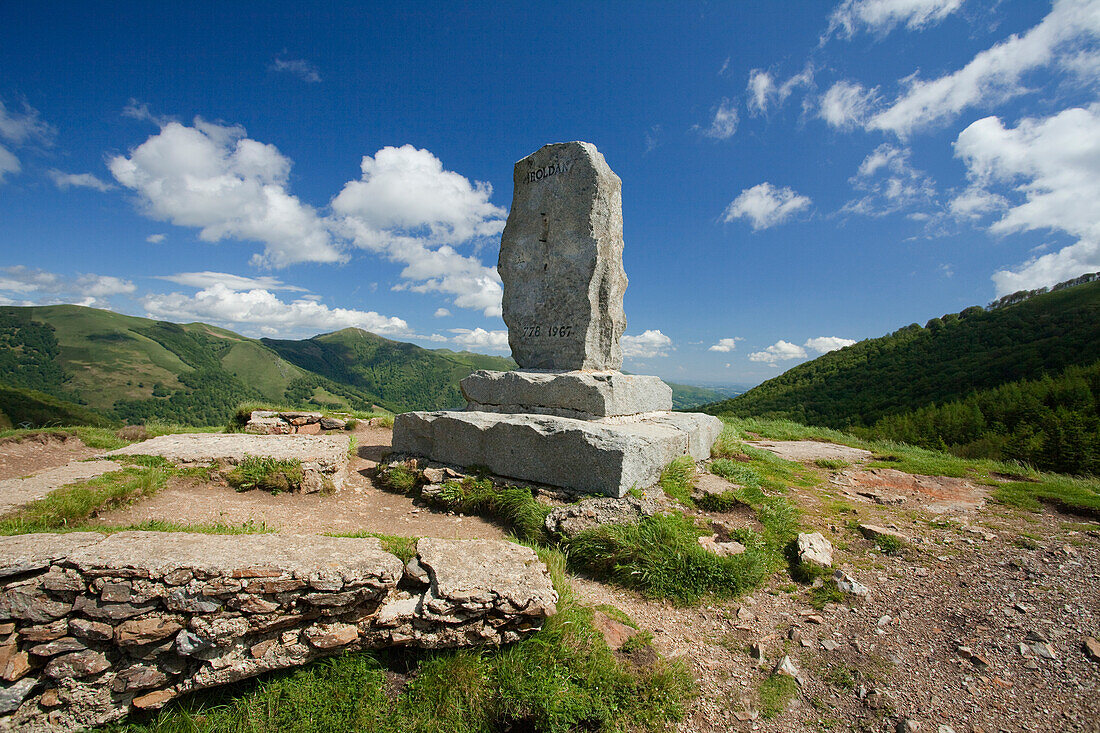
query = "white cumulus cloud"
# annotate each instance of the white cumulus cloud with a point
(890, 183)
(779, 351)
(215, 178)
(479, 339)
(78, 180)
(764, 205)
(725, 345)
(1044, 174)
(882, 16)
(441, 313)
(766, 92)
(825, 344)
(408, 208)
(995, 74)
(651, 343)
(19, 129)
(259, 311)
(155, 238)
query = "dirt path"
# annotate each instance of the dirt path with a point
(360, 506)
(40, 451)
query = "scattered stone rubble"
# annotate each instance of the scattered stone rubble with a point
(324, 458)
(93, 626)
(268, 422)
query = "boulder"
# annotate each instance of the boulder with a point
(572, 519)
(814, 549)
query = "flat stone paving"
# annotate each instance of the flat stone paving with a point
(232, 447)
(15, 492)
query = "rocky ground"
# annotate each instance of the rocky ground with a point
(978, 622)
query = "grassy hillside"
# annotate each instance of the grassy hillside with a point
(947, 359)
(401, 376)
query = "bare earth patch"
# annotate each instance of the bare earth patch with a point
(359, 506)
(40, 451)
(936, 494)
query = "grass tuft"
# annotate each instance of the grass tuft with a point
(775, 694)
(399, 479)
(74, 504)
(660, 556)
(513, 506)
(266, 473)
(678, 479)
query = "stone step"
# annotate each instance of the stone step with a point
(608, 456)
(576, 394)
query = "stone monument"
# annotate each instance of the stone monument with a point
(567, 417)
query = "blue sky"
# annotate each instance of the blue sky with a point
(795, 175)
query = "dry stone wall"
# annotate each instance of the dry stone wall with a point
(94, 626)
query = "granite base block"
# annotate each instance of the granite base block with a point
(608, 456)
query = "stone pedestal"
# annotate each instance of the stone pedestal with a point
(601, 432)
(568, 417)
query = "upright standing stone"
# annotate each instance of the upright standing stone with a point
(561, 261)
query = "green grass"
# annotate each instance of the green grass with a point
(403, 547)
(834, 464)
(724, 502)
(398, 478)
(74, 504)
(266, 473)
(735, 472)
(660, 556)
(775, 693)
(617, 613)
(560, 679)
(1070, 494)
(678, 479)
(825, 594)
(891, 545)
(98, 438)
(160, 525)
(514, 507)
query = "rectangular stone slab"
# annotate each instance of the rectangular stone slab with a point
(582, 395)
(608, 456)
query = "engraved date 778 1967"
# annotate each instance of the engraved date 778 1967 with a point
(559, 331)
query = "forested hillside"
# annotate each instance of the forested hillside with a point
(1052, 423)
(402, 375)
(946, 360)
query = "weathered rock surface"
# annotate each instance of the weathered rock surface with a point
(607, 456)
(814, 549)
(176, 612)
(561, 261)
(572, 519)
(324, 458)
(581, 395)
